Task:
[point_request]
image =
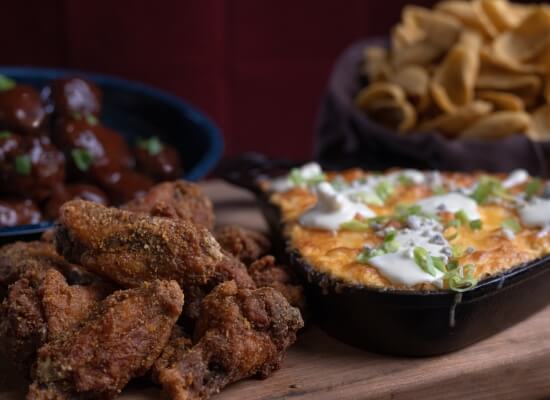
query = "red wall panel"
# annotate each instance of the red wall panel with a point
(258, 68)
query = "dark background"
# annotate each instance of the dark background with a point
(257, 67)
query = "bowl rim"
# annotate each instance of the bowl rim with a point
(211, 130)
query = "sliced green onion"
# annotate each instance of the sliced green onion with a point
(533, 187)
(5, 134)
(367, 254)
(462, 217)
(369, 198)
(355, 226)
(476, 225)
(23, 164)
(458, 251)
(82, 158)
(154, 146)
(487, 188)
(384, 190)
(511, 224)
(462, 278)
(439, 264)
(424, 260)
(390, 245)
(91, 119)
(295, 176)
(404, 180)
(6, 83)
(439, 190)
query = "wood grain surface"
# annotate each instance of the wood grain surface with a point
(514, 364)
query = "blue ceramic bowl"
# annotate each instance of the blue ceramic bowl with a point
(135, 110)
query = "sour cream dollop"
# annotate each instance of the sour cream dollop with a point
(332, 209)
(536, 213)
(450, 202)
(306, 171)
(515, 178)
(400, 267)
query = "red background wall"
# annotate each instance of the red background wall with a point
(257, 67)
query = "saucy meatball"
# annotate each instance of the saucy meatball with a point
(33, 169)
(21, 109)
(88, 144)
(158, 160)
(121, 185)
(64, 193)
(72, 96)
(18, 212)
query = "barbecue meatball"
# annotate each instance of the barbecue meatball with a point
(158, 160)
(33, 170)
(68, 192)
(21, 109)
(88, 144)
(71, 96)
(18, 212)
(121, 185)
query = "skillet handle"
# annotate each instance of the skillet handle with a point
(245, 170)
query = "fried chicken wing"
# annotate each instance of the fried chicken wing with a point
(229, 269)
(240, 333)
(266, 273)
(120, 340)
(18, 257)
(41, 306)
(245, 244)
(177, 199)
(131, 248)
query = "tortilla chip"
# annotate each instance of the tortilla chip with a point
(502, 101)
(499, 124)
(454, 81)
(527, 40)
(413, 79)
(541, 124)
(377, 92)
(451, 125)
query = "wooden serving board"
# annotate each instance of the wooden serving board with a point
(514, 364)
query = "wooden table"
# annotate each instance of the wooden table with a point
(514, 364)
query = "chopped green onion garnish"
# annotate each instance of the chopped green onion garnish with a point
(439, 264)
(5, 134)
(384, 190)
(476, 224)
(458, 251)
(487, 188)
(91, 119)
(462, 278)
(369, 198)
(82, 158)
(23, 164)
(6, 83)
(462, 217)
(511, 224)
(367, 254)
(438, 190)
(297, 179)
(424, 260)
(355, 225)
(533, 187)
(405, 180)
(390, 245)
(153, 145)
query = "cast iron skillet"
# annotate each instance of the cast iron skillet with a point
(404, 323)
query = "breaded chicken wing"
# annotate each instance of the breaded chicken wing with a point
(131, 248)
(120, 340)
(41, 306)
(229, 269)
(18, 257)
(267, 273)
(240, 333)
(177, 199)
(245, 244)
